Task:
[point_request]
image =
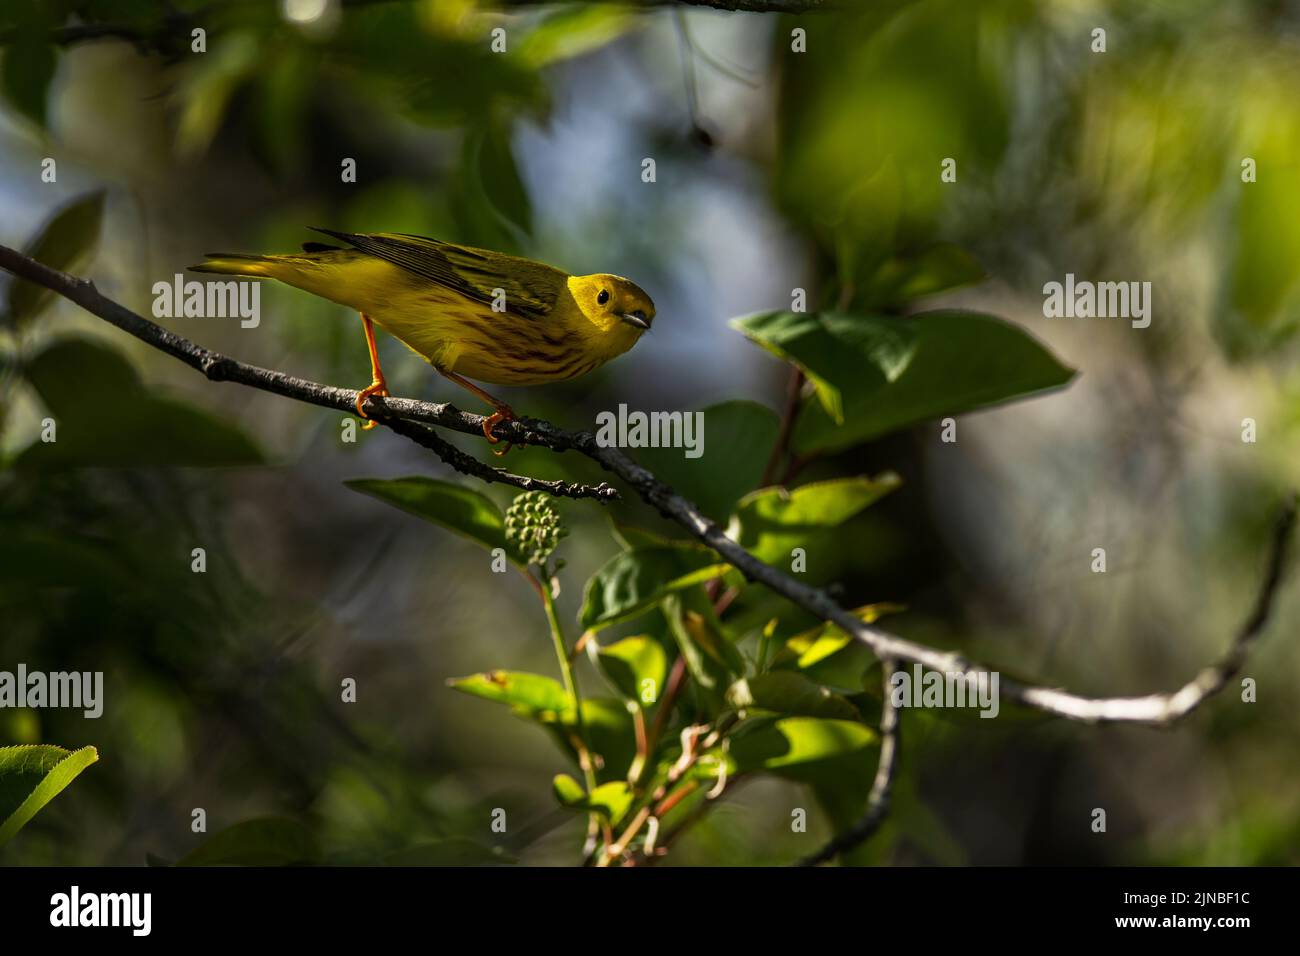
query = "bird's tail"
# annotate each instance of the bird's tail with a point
(237, 264)
(322, 270)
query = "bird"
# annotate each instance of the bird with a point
(470, 313)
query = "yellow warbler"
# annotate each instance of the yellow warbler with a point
(470, 313)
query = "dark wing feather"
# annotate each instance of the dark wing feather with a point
(531, 288)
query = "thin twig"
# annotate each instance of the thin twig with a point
(781, 447)
(1152, 709)
(881, 786)
(692, 749)
(467, 464)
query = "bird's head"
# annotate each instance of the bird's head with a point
(613, 304)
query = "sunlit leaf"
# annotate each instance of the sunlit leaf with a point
(838, 353)
(789, 693)
(772, 521)
(31, 776)
(791, 746)
(962, 361)
(633, 581)
(528, 695)
(811, 647)
(574, 30)
(611, 800)
(633, 665)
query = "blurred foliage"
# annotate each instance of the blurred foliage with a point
(63, 243)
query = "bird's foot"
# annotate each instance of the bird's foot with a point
(503, 413)
(377, 387)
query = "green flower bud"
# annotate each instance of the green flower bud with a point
(533, 527)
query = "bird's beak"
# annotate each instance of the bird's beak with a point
(635, 319)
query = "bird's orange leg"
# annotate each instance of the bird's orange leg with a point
(377, 384)
(502, 413)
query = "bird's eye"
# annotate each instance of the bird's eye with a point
(603, 297)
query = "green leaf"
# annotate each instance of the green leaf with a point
(611, 800)
(528, 695)
(789, 692)
(461, 510)
(28, 68)
(631, 663)
(739, 440)
(894, 87)
(206, 87)
(1261, 293)
(633, 581)
(797, 746)
(106, 418)
(453, 851)
(63, 243)
(961, 361)
(840, 354)
(573, 31)
(607, 731)
(606, 723)
(809, 648)
(489, 151)
(711, 659)
(900, 279)
(31, 776)
(269, 841)
(771, 522)
(567, 790)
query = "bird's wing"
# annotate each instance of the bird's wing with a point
(531, 288)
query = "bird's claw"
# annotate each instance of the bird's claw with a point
(503, 413)
(378, 387)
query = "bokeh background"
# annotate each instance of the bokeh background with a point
(775, 170)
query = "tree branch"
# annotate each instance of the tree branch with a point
(222, 368)
(881, 787)
(1152, 709)
(467, 464)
